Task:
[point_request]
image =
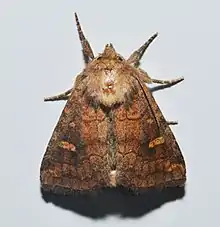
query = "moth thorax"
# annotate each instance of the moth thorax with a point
(112, 91)
(108, 82)
(109, 85)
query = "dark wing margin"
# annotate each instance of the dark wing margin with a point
(76, 157)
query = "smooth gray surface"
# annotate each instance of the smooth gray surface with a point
(40, 55)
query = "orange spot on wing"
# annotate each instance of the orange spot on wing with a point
(67, 146)
(156, 142)
(172, 167)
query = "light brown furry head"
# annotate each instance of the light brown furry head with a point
(108, 78)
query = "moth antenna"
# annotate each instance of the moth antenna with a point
(86, 48)
(136, 56)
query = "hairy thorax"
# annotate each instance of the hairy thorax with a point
(108, 84)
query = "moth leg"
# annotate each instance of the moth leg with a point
(147, 79)
(161, 87)
(136, 56)
(170, 82)
(63, 96)
(172, 122)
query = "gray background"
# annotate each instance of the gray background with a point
(40, 55)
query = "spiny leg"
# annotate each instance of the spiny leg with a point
(168, 83)
(173, 81)
(136, 56)
(86, 48)
(63, 96)
(164, 86)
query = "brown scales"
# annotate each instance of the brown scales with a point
(111, 131)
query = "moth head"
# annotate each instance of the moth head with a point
(110, 54)
(109, 79)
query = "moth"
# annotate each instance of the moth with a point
(111, 132)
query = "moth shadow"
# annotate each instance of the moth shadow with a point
(117, 201)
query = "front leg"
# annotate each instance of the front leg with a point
(168, 82)
(147, 79)
(63, 96)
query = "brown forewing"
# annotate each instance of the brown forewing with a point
(138, 166)
(76, 156)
